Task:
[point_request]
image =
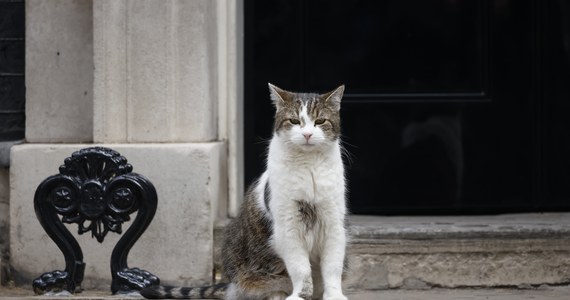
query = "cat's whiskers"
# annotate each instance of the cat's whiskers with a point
(346, 154)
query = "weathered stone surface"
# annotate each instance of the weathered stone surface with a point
(59, 71)
(459, 269)
(4, 186)
(427, 227)
(5, 152)
(550, 293)
(4, 221)
(190, 180)
(412, 283)
(419, 252)
(155, 71)
(4, 230)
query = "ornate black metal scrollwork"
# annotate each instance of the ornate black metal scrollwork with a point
(96, 189)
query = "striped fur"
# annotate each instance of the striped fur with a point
(170, 292)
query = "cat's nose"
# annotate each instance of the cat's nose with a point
(307, 135)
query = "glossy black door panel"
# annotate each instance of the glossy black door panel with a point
(391, 48)
(554, 109)
(450, 106)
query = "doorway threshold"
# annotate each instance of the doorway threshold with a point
(421, 252)
(530, 225)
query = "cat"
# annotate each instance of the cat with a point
(289, 239)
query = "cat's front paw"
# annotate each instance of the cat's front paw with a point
(294, 297)
(339, 296)
(277, 296)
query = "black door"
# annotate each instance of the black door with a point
(450, 107)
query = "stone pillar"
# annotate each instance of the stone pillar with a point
(153, 73)
(59, 71)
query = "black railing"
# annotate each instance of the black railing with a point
(96, 189)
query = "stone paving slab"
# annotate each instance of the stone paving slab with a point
(542, 293)
(549, 293)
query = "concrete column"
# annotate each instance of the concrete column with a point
(59, 71)
(155, 75)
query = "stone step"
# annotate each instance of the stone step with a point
(459, 251)
(520, 250)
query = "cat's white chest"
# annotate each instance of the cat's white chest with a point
(315, 178)
(314, 181)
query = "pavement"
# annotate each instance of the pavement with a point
(540, 293)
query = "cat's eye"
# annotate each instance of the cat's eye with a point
(295, 121)
(320, 121)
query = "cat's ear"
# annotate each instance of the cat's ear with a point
(278, 96)
(333, 98)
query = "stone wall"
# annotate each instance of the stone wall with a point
(143, 78)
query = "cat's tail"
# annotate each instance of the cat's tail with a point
(169, 292)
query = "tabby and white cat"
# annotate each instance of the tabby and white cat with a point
(289, 239)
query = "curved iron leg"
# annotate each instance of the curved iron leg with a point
(70, 279)
(125, 279)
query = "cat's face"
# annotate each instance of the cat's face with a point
(307, 121)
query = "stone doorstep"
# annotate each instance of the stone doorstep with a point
(459, 234)
(421, 252)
